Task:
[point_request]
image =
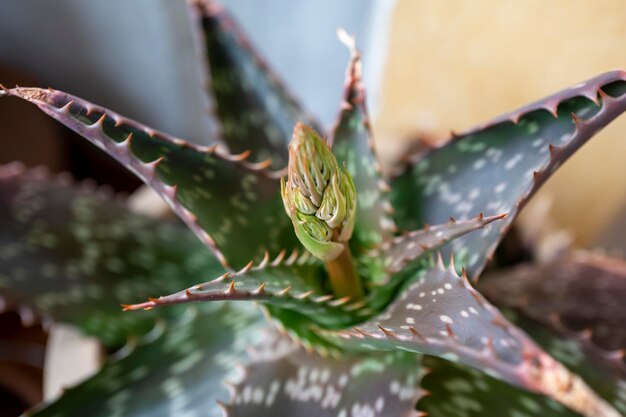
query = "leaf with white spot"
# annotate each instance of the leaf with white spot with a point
(255, 109)
(286, 282)
(282, 379)
(177, 370)
(497, 167)
(583, 296)
(353, 145)
(401, 251)
(442, 315)
(232, 205)
(74, 254)
(457, 391)
(464, 392)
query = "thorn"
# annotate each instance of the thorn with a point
(240, 157)
(361, 333)
(417, 334)
(388, 333)
(464, 276)
(279, 258)
(263, 263)
(284, 291)
(340, 301)
(66, 107)
(231, 288)
(554, 150)
(246, 268)
(452, 219)
(449, 331)
(323, 298)
(451, 264)
(100, 121)
(150, 166)
(260, 290)
(440, 262)
(293, 257)
(304, 295)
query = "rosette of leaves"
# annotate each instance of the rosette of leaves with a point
(416, 338)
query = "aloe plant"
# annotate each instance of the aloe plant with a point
(362, 315)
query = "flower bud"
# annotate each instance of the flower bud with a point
(319, 197)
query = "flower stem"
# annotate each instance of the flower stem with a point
(343, 277)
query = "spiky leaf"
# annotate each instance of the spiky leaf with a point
(232, 205)
(353, 144)
(397, 253)
(464, 392)
(283, 379)
(498, 166)
(75, 253)
(292, 283)
(255, 109)
(178, 369)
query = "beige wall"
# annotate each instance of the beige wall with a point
(453, 64)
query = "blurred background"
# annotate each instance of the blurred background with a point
(430, 67)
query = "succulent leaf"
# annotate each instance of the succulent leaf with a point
(201, 184)
(464, 392)
(178, 369)
(461, 391)
(498, 166)
(256, 111)
(286, 282)
(353, 145)
(397, 253)
(442, 315)
(583, 295)
(75, 253)
(282, 379)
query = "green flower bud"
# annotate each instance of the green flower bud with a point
(319, 197)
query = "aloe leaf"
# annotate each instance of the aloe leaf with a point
(464, 392)
(178, 369)
(442, 315)
(583, 296)
(396, 254)
(75, 253)
(353, 145)
(497, 167)
(457, 391)
(232, 205)
(256, 110)
(292, 283)
(282, 379)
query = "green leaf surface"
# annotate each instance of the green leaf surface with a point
(176, 370)
(465, 392)
(255, 109)
(353, 145)
(282, 379)
(294, 283)
(497, 167)
(75, 253)
(232, 205)
(400, 254)
(457, 391)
